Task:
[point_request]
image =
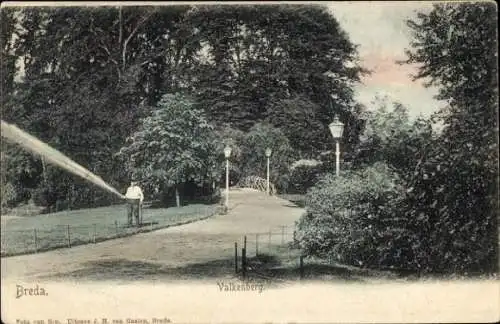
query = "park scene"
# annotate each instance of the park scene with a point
(268, 143)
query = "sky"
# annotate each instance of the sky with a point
(379, 29)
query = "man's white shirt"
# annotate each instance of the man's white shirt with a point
(134, 192)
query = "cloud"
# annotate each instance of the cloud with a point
(379, 28)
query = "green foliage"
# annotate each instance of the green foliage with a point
(8, 195)
(354, 219)
(20, 172)
(8, 23)
(455, 185)
(391, 137)
(437, 210)
(87, 74)
(298, 120)
(253, 159)
(172, 146)
(91, 74)
(304, 176)
(259, 68)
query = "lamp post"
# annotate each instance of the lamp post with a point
(227, 154)
(336, 128)
(268, 154)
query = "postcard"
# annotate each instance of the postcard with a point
(249, 162)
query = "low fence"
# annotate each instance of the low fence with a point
(40, 238)
(272, 247)
(276, 256)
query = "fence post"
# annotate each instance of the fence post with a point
(244, 257)
(116, 227)
(69, 238)
(95, 232)
(282, 235)
(235, 257)
(244, 262)
(151, 225)
(269, 244)
(256, 245)
(36, 241)
(301, 261)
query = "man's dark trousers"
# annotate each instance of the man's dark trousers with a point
(133, 211)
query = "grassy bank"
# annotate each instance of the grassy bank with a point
(30, 234)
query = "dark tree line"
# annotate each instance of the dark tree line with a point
(90, 74)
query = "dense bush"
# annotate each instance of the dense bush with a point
(444, 218)
(355, 219)
(453, 201)
(18, 174)
(303, 176)
(8, 195)
(191, 193)
(435, 211)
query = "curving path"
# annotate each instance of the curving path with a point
(163, 252)
(138, 279)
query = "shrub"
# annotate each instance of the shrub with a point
(303, 176)
(8, 195)
(453, 201)
(354, 218)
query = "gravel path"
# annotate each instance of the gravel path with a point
(163, 253)
(176, 274)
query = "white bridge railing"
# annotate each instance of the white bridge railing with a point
(257, 183)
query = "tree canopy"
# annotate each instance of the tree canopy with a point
(89, 75)
(172, 146)
(456, 181)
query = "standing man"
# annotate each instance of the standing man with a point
(134, 200)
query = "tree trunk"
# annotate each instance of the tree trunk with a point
(177, 198)
(44, 168)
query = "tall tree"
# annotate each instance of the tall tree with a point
(8, 58)
(454, 189)
(91, 73)
(257, 57)
(173, 146)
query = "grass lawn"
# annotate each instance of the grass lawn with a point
(44, 232)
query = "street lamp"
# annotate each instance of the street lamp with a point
(227, 154)
(336, 128)
(268, 154)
